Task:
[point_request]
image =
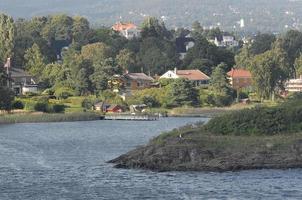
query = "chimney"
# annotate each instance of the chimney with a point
(175, 70)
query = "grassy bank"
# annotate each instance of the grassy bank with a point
(191, 149)
(255, 138)
(43, 117)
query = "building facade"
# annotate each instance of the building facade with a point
(240, 78)
(21, 82)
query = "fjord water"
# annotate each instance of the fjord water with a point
(68, 161)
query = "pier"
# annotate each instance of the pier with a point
(130, 117)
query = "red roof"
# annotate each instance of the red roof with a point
(192, 75)
(239, 73)
(123, 26)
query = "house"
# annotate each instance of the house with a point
(101, 106)
(240, 78)
(114, 109)
(196, 76)
(128, 30)
(226, 41)
(21, 82)
(294, 85)
(129, 82)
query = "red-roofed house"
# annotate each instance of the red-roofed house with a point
(128, 30)
(240, 78)
(194, 75)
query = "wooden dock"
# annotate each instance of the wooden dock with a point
(130, 117)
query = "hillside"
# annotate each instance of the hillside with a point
(258, 15)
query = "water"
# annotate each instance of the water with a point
(59, 161)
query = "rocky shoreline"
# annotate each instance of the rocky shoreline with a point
(195, 151)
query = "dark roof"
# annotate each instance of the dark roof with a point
(18, 73)
(138, 76)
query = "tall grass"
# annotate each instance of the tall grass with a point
(36, 118)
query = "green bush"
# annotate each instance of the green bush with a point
(64, 93)
(41, 107)
(17, 104)
(285, 118)
(87, 104)
(220, 100)
(58, 108)
(48, 91)
(151, 101)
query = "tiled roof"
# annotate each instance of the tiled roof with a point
(138, 76)
(123, 26)
(239, 73)
(192, 75)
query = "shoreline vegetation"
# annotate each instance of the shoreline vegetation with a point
(20, 116)
(255, 138)
(46, 117)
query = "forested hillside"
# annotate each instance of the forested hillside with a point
(258, 15)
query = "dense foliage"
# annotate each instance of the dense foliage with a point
(285, 118)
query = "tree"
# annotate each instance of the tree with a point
(270, 70)
(204, 65)
(183, 93)
(262, 43)
(6, 98)
(197, 28)
(50, 74)
(80, 30)
(243, 59)
(203, 49)
(291, 43)
(298, 66)
(152, 27)
(35, 61)
(102, 73)
(7, 34)
(58, 27)
(219, 83)
(126, 60)
(96, 52)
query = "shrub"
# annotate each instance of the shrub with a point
(219, 100)
(150, 101)
(48, 91)
(87, 104)
(41, 107)
(63, 93)
(58, 108)
(285, 118)
(17, 104)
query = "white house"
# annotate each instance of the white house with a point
(227, 41)
(196, 76)
(21, 82)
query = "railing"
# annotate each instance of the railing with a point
(132, 117)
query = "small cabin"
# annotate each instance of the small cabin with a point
(114, 109)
